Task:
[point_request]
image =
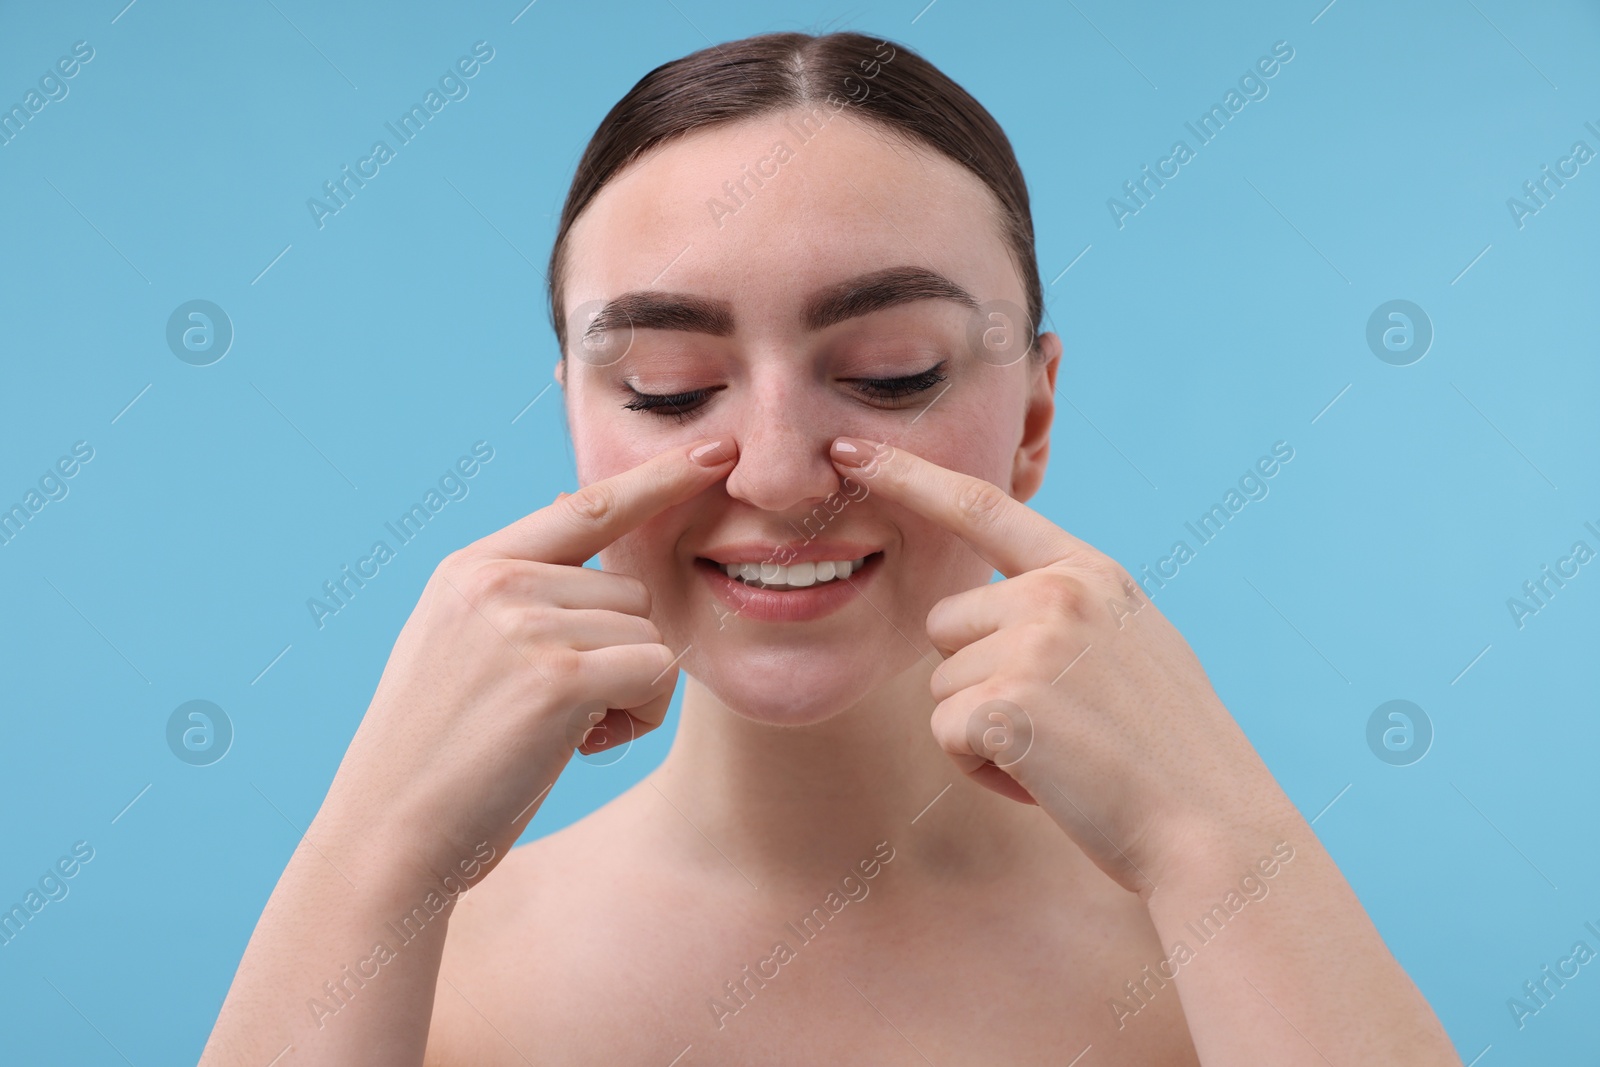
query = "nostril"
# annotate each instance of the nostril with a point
(782, 478)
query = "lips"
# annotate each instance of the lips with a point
(794, 575)
(768, 552)
(789, 601)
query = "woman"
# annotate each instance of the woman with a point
(796, 294)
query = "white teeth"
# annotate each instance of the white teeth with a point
(795, 575)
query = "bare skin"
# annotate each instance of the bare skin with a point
(986, 905)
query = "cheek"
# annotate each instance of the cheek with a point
(606, 442)
(975, 435)
(654, 553)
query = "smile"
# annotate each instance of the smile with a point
(795, 592)
(793, 576)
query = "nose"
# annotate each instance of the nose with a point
(783, 462)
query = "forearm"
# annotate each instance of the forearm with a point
(342, 965)
(1283, 968)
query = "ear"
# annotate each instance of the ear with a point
(1033, 451)
(560, 373)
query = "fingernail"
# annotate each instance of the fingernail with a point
(852, 451)
(716, 452)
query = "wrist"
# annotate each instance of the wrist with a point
(1199, 852)
(391, 861)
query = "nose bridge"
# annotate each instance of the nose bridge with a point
(783, 451)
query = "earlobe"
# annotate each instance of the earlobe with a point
(1033, 451)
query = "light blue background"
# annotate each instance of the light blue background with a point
(1225, 316)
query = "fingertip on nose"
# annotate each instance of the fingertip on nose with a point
(715, 452)
(851, 451)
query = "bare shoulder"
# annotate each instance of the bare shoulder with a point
(529, 945)
(627, 938)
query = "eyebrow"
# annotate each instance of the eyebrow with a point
(652, 309)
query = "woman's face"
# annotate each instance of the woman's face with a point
(746, 240)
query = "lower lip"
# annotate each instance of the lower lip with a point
(787, 605)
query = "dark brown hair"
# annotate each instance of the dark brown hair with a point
(886, 82)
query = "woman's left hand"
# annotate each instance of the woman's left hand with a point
(1064, 686)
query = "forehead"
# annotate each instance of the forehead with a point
(764, 212)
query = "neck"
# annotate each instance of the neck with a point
(784, 802)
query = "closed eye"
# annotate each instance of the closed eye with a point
(684, 406)
(896, 388)
(680, 406)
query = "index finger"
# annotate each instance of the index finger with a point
(1007, 533)
(578, 525)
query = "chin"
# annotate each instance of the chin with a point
(794, 686)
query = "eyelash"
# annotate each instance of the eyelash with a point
(684, 406)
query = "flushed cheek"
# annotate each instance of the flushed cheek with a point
(936, 564)
(967, 429)
(648, 552)
(619, 448)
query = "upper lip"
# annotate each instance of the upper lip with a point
(802, 552)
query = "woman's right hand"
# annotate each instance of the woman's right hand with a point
(514, 652)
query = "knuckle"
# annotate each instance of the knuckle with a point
(1036, 644)
(538, 619)
(980, 503)
(1103, 569)
(1063, 592)
(489, 580)
(594, 503)
(563, 665)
